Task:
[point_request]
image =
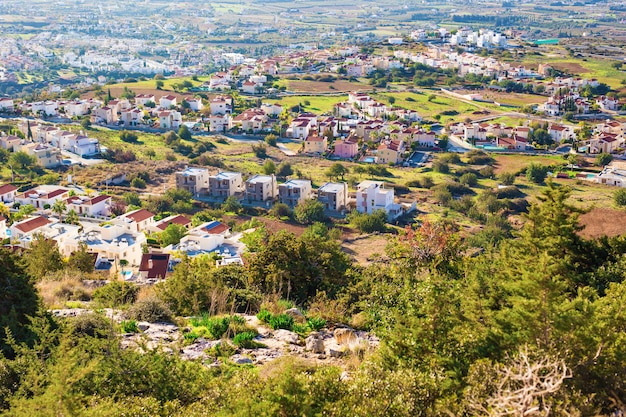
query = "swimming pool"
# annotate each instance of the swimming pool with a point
(369, 159)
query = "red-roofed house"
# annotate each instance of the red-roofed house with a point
(154, 265)
(43, 196)
(347, 148)
(390, 152)
(7, 193)
(166, 102)
(162, 224)
(138, 220)
(28, 226)
(315, 144)
(88, 206)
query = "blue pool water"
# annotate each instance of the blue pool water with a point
(591, 175)
(369, 159)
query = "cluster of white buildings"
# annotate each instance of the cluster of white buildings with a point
(481, 39)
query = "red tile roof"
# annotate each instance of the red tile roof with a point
(32, 224)
(7, 188)
(155, 264)
(139, 215)
(181, 220)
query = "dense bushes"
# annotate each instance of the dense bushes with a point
(115, 294)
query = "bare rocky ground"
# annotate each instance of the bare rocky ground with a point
(328, 346)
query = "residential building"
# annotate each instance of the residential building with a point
(170, 119)
(21, 231)
(113, 243)
(225, 184)
(194, 180)
(154, 266)
(261, 188)
(347, 148)
(203, 239)
(7, 193)
(315, 144)
(178, 219)
(294, 191)
(390, 152)
(372, 196)
(42, 196)
(137, 220)
(89, 206)
(143, 99)
(333, 195)
(195, 104)
(218, 122)
(167, 102)
(221, 105)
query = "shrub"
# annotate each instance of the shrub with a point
(280, 210)
(424, 182)
(116, 294)
(450, 158)
(281, 321)
(508, 192)
(441, 167)
(245, 340)
(454, 188)
(218, 326)
(222, 350)
(129, 326)
(536, 173)
(469, 179)
(603, 159)
(91, 324)
(151, 310)
(477, 157)
(264, 316)
(316, 323)
(486, 172)
(619, 197)
(507, 178)
(368, 223)
(138, 183)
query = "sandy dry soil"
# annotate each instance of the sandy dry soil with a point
(603, 222)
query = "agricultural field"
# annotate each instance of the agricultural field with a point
(312, 86)
(429, 105)
(316, 104)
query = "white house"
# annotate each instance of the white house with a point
(166, 102)
(170, 119)
(372, 196)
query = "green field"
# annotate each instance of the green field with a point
(601, 69)
(318, 104)
(429, 108)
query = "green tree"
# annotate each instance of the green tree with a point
(85, 123)
(150, 153)
(619, 197)
(369, 223)
(284, 169)
(42, 257)
(269, 167)
(603, 159)
(337, 170)
(271, 139)
(184, 133)
(309, 211)
(536, 173)
(18, 301)
(172, 234)
(59, 208)
(296, 268)
(72, 218)
(81, 260)
(23, 160)
(128, 137)
(159, 84)
(232, 205)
